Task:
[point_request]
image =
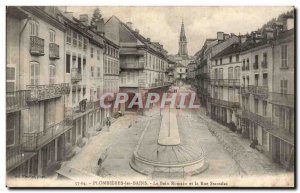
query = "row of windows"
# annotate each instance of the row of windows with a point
(98, 53)
(111, 85)
(155, 62)
(77, 40)
(111, 66)
(237, 59)
(233, 73)
(34, 31)
(111, 51)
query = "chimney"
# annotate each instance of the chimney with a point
(129, 24)
(269, 33)
(226, 36)
(137, 30)
(290, 23)
(220, 36)
(84, 19)
(69, 14)
(100, 26)
(148, 39)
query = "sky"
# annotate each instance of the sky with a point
(162, 24)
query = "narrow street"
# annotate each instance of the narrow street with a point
(227, 153)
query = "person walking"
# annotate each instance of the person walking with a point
(108, 123)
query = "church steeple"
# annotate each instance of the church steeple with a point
(182, 42)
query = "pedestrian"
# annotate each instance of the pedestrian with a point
(99, 171)
(108, 123)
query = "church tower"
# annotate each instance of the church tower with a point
(182, 42)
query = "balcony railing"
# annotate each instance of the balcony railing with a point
(132, 65)
(158, 84)
(229, 104)
(259, 91)
(38, 139)
(282, 99)
(260, 120)
(264, 64)
(76, 75)
(255, 66)
(17, 100)
(84, 106)
(53, 51)
(225, 82)
(36, 46)
(15, 155)
(44, 92)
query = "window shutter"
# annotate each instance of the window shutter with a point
(10, 79)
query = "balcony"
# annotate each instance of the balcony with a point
(259, 91)
(229, 104)
(225, 82)
(84, 106)
(264, 64)
(36, 46)
(260, 120)
(44, 92)
(255, 66)
(36, 140)
(132, 65)
(158, 84)
(16, 100)
(16, 156)
(282, 99)
(76, 75)
(53, 51)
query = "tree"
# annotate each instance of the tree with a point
(97, 16)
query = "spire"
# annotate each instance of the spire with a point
(182, 42)
(182, 33)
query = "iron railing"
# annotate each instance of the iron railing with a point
(44, 92)
(17, 100)
(53, 51)
(37, 46)
(282, 99)
(229, 104)
(225, 82)
(76, 75)
(37, 139)
(263, 121)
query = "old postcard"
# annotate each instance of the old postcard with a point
(104, 96)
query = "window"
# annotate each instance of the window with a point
(256, 77)
(52, 36)
(11, 127)
(230, 73)
(92, 52)
(105, 66)
(98, 54)
(256, 106)
(98, 72)
(34, 28)
(237, 57)
(256, 59)
(265, 79)
(216, 61)
(237, 72)
(69, 36)
(74, 39)
(283, 86)
(10, 78)
(85, 43)
(265, 103)
(284, 61)
(221, 73)
(50, 112)
(68, 63)
(52, 74)
(79, 41)
(92, 71)
(221, 61)
(34, 73)
(265, 58)
(230, 59)
(68, 136)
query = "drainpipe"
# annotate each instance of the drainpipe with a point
(20, 34)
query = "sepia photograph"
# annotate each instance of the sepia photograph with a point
(150, 96)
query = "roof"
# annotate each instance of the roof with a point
(234, 48)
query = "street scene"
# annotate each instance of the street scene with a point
(93, 101)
